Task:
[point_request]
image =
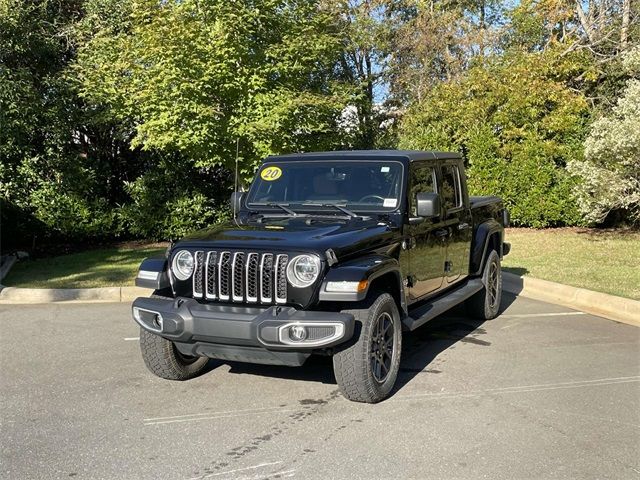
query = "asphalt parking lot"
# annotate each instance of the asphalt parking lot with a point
(540, 392)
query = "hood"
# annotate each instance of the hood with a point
(296, 234)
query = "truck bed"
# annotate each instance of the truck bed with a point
(481, 201)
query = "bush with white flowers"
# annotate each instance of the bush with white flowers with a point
(610, 171)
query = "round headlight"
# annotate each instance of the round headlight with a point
(303, 270)
(182, 265)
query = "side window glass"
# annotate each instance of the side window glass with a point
(451, 195)
(423, 181)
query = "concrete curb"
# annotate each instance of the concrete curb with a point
(13, 295)
(620, 309)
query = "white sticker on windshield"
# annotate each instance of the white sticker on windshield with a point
(384, 169)
(389, 202)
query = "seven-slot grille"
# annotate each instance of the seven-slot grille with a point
(240, 277)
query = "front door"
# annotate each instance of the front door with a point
(457, 221)
(425, 241)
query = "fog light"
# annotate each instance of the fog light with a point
(298, 333)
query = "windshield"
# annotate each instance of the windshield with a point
(357, 185)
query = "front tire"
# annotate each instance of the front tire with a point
(163, 359)
(485, 304)
(366, 368)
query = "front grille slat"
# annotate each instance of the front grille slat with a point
(266, 278)
(224, 274)
(281, 278)
(198, 269)
(239, 277)
(211, 274)
(251, 278)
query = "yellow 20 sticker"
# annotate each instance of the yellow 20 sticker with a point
(271, 173)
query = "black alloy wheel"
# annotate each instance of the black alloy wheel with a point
(382, 347)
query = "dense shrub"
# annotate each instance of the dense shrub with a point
(173, 199)
(517, 128)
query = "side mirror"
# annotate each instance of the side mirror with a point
(236, 201)
(428, 205)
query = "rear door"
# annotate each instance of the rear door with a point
(457, 220)
(425, 243)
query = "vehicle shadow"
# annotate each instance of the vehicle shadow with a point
(316, 369)
(514, 281)
(520, 271)
(420, 349)
(422, 346)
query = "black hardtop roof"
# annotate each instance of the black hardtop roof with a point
(410, 155)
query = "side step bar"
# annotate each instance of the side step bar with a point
(424, 313)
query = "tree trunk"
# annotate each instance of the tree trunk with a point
(584, 21)
(482, 27)
(624, 29)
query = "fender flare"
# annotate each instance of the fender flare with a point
(149, 267)
(481, 243)
(367, 268)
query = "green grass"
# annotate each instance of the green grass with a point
(603, 260)
(106, 267)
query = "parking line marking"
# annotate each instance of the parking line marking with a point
(590, 417)
(187, 415)
(261, 476)
(131, 339)
(215, 417)
(534, 315)
(527, 388)
(237, 470)
(575, 382)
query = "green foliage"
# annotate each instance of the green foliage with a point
(172, 199)
(610, 171)
(517, 127)
(198, 75)
(43, 174)
(122, 117)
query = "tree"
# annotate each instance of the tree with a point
(514, 118)
(610, 171)
(43, 173)
(189, 82)
(366, 29)
(198, 75)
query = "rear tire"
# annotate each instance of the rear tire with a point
(367, 367)
(485, 304)
(163, 359)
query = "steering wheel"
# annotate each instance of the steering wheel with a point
(377, 197)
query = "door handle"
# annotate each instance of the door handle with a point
(443, 233)
(463, 226)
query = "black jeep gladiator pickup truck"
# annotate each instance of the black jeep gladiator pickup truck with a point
(332, 253)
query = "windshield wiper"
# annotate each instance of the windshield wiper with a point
(283, 206)
(339, 207)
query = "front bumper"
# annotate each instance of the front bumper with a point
(241, 333)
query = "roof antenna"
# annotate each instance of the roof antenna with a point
(235, 186)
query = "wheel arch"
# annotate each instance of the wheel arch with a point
(391, 283)
(381, 273)
(488, 236)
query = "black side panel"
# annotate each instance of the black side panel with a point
(477, 202)
(450, 299)
(368, 268)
